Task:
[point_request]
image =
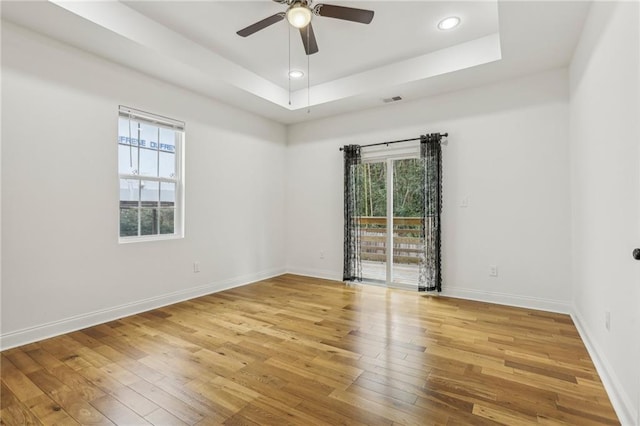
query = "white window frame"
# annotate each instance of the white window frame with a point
(178, 180)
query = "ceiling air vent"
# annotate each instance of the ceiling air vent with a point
(394, 99)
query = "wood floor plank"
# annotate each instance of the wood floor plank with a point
(18, 414)
(110, 385)
(13, 411)
(73, 403)
(47, 382)
(130, 364)
(78, 383)
(230, 402)
(17, 381)
(22, 361)
(210, 409)
(49, 412)
(503, 416)
(44, 358)
(6, 396)
(117, 412)
(286, 414)
(306, 351)
(170, 403)
(387, 391)
(163, 417)
(355, 398)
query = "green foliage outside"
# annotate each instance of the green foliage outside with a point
(150, 220)
(407, 183)
(408, 198)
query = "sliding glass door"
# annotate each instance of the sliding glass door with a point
(390, 221)
(373, 221)
(407, 221)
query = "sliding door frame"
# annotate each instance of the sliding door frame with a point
(390, 187)
(389, 158)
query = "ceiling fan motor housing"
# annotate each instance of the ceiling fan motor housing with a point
(299, 14)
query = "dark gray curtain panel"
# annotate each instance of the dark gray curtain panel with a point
(430, 275)
(352, 268)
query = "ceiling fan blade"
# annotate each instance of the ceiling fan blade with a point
(309, 40)
(260, 25)
(341, 12)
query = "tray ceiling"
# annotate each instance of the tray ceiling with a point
(194, 45)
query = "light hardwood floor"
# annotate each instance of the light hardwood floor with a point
(295, 350)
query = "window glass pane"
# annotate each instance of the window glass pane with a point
(167, 147)
(167, 140)
(408, 218)
(128, 131)
(150, 193)
(129, 192)
(373, 191)
(373, 219)
(127, 146)
(147, 142)
(128, 222)
(167, 165)
(167, 194)
(148, 136)
(148, 162)
(166, 220)
(148, 221)
(127, 159)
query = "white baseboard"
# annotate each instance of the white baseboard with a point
(316, 273)
(529, 302)
(79, 322)
(548, 305)
(619, 398)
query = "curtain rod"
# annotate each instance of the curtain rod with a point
(442, 135)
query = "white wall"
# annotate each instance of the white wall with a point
(508, 152)
(605, 142)
(62, 265)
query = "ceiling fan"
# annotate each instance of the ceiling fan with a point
(299, 13)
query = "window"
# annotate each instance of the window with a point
(150, 174)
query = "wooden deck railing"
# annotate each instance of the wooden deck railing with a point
(407, 244)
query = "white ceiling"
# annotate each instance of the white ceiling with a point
(194, 45)
(400, 30)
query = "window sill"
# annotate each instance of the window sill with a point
(149, 238)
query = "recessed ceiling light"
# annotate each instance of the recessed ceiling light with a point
(449, 23)
(296, 74)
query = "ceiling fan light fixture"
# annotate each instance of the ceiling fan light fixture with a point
(449, 23)
(299, 15)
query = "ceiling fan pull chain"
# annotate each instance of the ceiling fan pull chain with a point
(289, 73)
(308, 76)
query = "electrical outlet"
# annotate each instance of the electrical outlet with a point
(607, 320)
(493, 271)
(465, 202)
(196, 267)
(321, 254)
